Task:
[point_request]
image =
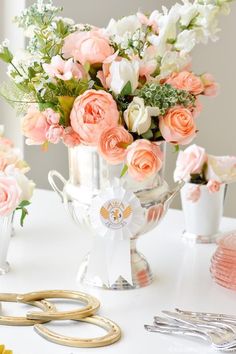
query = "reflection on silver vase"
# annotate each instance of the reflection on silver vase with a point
(89, 175)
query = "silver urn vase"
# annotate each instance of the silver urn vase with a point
(89, 174)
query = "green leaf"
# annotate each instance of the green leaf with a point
(124, 170)
(24, 212)
(127, 89)
(66, 103)
(148, 135)
(157, 135)
(24, 203)
(176, 148)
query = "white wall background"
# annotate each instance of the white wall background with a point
(217, 123)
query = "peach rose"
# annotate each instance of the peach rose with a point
(213, 186)
(10, 194)
(178, 126)
(211, 88)
(143, 159)
(70, 138)
(187, 81)
(113, 143)
(189, 161)
(35, 126)
(92, 113)
(87, 47)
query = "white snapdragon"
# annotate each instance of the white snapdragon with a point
(206, 22)
(138, 116)
(173, 61)
(124, 28)
(122, 72)
(186, 41)
(167, 29)
(188, 12)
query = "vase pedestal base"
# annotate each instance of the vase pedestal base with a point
(194, 238)
(141, 275)
(5, 268)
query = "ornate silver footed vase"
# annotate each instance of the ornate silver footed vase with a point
(117, 211)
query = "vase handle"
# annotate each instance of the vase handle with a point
(51, 179)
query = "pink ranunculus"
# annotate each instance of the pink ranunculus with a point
(92, 113)
(70, 137)
(193, 193)
(52, 116)
(213, 186)
(34, 127)
(187, 81)
(91, 47)
(143, 159)
(10, 194)
(190, 161)
(178, 126)
(55, 133)
(59, 68)
(211, 88)
(113, 143)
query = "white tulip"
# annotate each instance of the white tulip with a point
(27, 186)
(138, 117)
(121, 73)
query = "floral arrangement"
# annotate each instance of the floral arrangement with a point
(195, 166)
(15, 188)
(124, 88)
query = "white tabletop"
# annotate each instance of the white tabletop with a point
(46, 253)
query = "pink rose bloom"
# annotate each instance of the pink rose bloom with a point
(7, 158)
(113, 143)
(52, 116)
(211, 88)
(34, 127)
(187, 81)
(213, 186)
(10, 194)
(144, 159)
(189, 161)
(193, 193)
(54, 133)
(70, 137)
(91, 47)
(92, 113)
(59, 68)
(178, 126)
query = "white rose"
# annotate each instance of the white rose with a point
(186, 41)
(138, 117)
(27, 186)
(126, 25)
(121, 72)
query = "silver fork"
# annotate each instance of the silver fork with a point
(221, 334)
(197, 333)
(208, 316)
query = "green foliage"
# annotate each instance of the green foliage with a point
(24, 211)
(124, 170)
(164, 97)
(127, 89)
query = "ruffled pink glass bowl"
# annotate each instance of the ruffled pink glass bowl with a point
(223, 262)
